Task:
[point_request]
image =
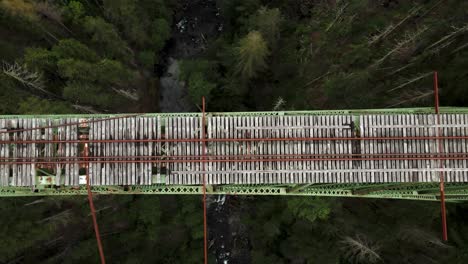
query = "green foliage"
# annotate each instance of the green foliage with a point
(309, 208)
(138, 17)
(36, 106)
(77, 70)
(272, 229)
(228, 98)
(126, 14)
(265, 257)
(199, 87)
(10, 94)
(77, 64)
(148, 219)
(8, 50)
(105, 35)
(252, 52)
(350, 90)
(75, 11)
(19, 8)
(21, 232)
(86, 93)
(147, 58)
(112, 72)
(236, 13)
(268, 23)
(161, 32)
(17, 24)
(286, 229)
(197, 75)
(92, 43)
(453, 81)
(73, 49)
(40, 59)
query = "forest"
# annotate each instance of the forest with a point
(142, 56)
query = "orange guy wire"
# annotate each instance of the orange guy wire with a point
(93, 210)
(441, 173)
(205, 235)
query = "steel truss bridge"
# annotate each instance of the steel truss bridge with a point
(386, 153)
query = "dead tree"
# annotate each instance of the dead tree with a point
(360, 250)
(26, 77)
(410, 81)
(409, 38)
(391, 28)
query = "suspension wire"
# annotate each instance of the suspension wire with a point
(93, 210)
(443, 211)
(364, 156)
(205, 225)
(206, 140)
(222, 160)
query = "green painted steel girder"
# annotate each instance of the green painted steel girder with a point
(454, 193)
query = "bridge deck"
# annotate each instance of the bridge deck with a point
(263, 149)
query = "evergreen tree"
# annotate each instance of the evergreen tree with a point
(252, 53)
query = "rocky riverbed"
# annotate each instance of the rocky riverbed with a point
(196, 23)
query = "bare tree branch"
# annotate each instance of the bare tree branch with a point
(408, 39)
(50, 12)
(86, 109)
(459, 48)
(280, 102)
(360, 250)
(339, 12)
(410, 81)
(419, 236)
(401, 68)
(447, 38)
(378, 38)
(317, 79)
(61, 218)
(417, 96)
(132, 96)
(35, 202)
(24, 76)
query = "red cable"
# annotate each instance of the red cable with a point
(196, 158)
(188, 157)
(441, 173)
(205, 236)
(93, 210)
(436, 95)
(188, 140)
(236, 160)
